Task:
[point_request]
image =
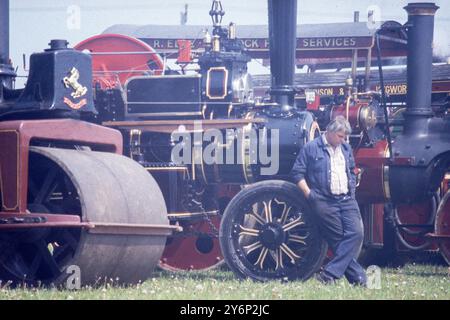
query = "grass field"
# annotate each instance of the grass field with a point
(410, 282)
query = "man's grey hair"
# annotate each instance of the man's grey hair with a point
(339, 124)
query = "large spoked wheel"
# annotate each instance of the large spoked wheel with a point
(99, 188)
(268, 232)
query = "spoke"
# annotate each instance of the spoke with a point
(298, 239)
(278, 202)
(69, 189)
(69, 239)
(248, 232)
(278, 259)
(289, 252)
(293, 224)
(285, 214)
(268, 211)
(14, 263)
(34, 266)
(58, 250)
(32, 188)
(63, 244)
(46, 187)
(257, 217)
(262, 258)
(65, 188)
(47, 258)
(252, 247)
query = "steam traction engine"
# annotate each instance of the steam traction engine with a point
(203, 137)
(70, 202)
(420, 154)
(412, 220)
(211, 113)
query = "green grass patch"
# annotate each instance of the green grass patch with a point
(410, 282)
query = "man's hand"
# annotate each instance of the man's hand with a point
(303, 186)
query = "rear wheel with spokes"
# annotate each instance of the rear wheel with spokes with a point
(268, 232)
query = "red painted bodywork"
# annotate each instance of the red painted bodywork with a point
(371, 161)
(184, 51)
(354, 111)
(47, 220)
(373, 221)
(16, 138)
(184, 253)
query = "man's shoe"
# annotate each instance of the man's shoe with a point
(325, 278)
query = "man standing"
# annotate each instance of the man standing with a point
(324, 173)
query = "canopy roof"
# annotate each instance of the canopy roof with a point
(317, 44)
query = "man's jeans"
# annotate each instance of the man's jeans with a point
(341, 225)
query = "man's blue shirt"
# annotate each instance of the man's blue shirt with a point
(313, 165)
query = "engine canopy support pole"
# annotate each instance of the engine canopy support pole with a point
(282, 40)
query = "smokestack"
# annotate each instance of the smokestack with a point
(283, 43)
(420, 55)
(4, 32)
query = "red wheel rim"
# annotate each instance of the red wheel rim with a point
(442, 226)
(116, 58)
(416, 214)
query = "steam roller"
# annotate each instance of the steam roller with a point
(103, 190)
(72, 208)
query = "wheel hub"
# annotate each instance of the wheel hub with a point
(272, 236)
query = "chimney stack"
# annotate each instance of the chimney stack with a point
(283, 44)
(420, 58)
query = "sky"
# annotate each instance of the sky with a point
(34, 23)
